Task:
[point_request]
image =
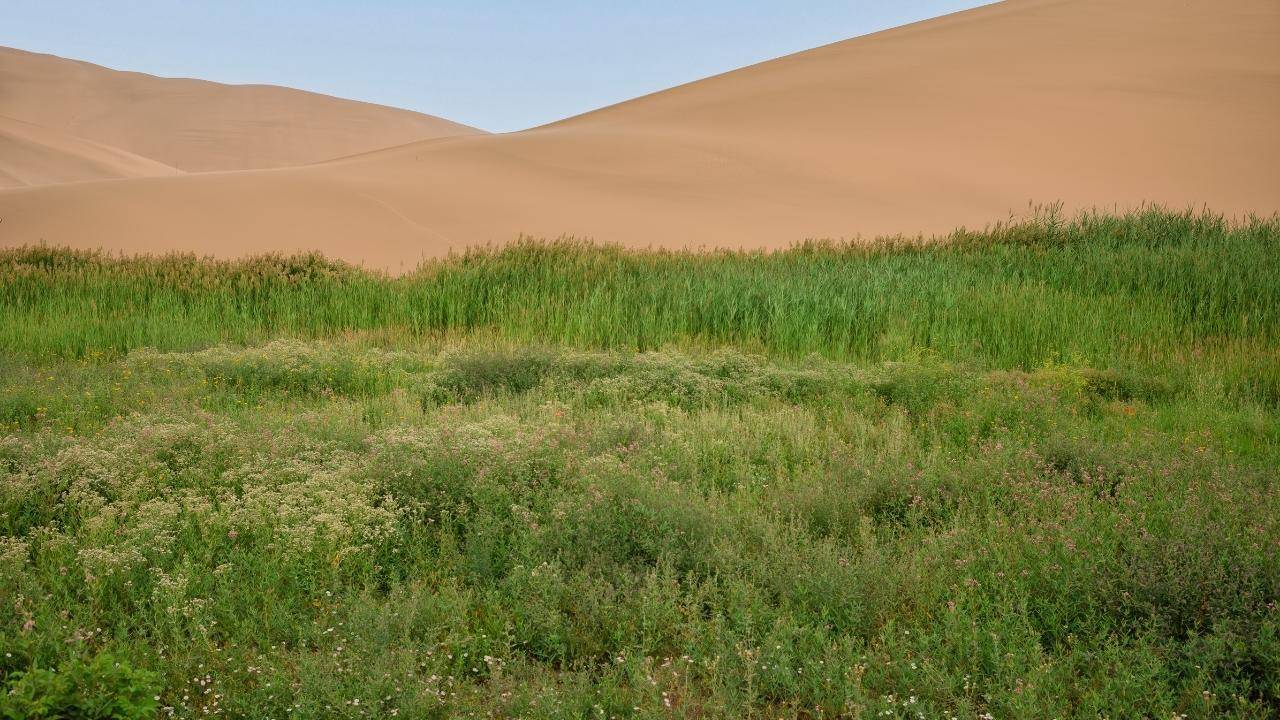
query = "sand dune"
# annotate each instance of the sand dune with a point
(197, 125)
(33, 155)
(961, 120)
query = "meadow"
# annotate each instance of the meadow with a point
(1026, 472)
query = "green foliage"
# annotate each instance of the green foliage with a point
(729, 534)
(720, 378)
(469, 374)
(1108, 291)
(104, 688)
(1032, 473)
(283, 366)
(18, 409)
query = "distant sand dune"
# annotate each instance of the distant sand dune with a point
(960, 120)
(33, 155)
(197, 125)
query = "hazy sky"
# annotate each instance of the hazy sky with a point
(497, 64)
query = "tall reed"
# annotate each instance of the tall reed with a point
(1153, 286)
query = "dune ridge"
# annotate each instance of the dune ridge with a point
(197, 125)
(958, 121)
(34, 155)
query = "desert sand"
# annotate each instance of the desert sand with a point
(196, 125)
(35, 155)
(958, 121)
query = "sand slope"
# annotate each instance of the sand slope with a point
(197, 125)
(33, 155)
(959, 120)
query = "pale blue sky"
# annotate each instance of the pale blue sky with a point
(498, 64)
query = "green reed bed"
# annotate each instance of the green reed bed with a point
(1104, 288)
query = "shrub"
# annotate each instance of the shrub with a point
(19, 410)
(102, 688)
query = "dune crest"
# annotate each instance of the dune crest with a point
(961, 120)
(196, 125)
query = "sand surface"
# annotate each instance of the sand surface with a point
(35, 155)
(197, 125)
(962, 120)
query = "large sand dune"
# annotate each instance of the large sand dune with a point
(961, 120)
(197, 125)
(34, 155)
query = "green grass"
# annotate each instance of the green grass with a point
(1031, 473)
(1101, 287)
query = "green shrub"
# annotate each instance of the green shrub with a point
(1126, 385)
(103, 688)
(18, 410)
(470, 374)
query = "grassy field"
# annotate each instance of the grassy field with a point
(1031, 472)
